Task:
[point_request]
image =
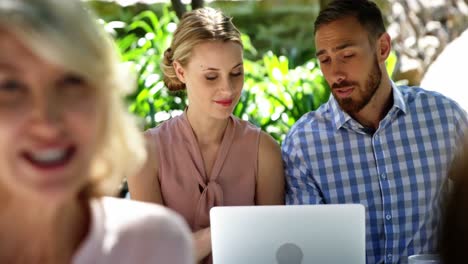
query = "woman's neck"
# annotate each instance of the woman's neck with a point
(34, 232)
(207, 130)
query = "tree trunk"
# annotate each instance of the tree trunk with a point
(178, 7)
(197, 4)
(324, 3)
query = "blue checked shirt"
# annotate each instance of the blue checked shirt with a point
(398, 173)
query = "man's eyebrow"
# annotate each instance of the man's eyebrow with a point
(344, 46)
(320, 52)
(340, 47)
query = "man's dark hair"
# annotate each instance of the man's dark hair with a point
(366, 12)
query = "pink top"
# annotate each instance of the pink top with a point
(185, 186)
(124, 231)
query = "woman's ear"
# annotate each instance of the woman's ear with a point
(179, 70)
(384, 46)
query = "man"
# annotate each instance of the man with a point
(373, 143)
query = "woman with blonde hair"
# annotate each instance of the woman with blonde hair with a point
(65, 141)
(207, 157)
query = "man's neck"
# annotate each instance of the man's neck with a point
(377, 108)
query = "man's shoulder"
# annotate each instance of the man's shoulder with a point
(319, 120)
(322, 116)
(416, 97)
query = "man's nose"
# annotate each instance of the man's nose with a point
(338, 73)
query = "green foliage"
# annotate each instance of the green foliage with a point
(143, 41)
(284, 27)
(391, 63)
(275, 95)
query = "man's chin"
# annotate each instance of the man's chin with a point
(348, 105)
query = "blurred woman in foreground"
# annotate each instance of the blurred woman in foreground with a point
(65, 141)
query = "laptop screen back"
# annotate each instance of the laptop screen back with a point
(296, 234)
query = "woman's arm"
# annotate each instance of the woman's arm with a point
(270, 176)
(144, 186)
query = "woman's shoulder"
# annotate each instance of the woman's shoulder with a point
(138, 232)
(243, 122)
(165, 126)
(245, 126)
(169, 132)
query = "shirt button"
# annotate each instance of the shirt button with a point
(389, 257)
(388, 217)
(383, 176)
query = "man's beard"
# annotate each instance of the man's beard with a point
(352, 106)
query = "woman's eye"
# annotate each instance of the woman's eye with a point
(72, 80)
(348, 55)
(10, 86)
(73, 87)
(12, 92)
(235, 74)
(211, 77)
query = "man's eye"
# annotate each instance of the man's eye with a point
(349, 55)
(325, 60)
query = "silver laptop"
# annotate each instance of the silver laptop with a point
(293, 234)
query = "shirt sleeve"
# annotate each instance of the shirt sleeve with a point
(301, 188)
(461, 122)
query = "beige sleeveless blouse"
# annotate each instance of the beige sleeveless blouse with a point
(185, 186)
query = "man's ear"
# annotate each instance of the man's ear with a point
(384, 46)
(179, 70)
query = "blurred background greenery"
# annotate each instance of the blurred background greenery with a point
(282, 80)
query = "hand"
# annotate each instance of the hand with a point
(202, 243)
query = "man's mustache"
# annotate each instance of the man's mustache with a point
(343, 84)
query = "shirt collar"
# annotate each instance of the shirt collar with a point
(398, 99)
(340, 117)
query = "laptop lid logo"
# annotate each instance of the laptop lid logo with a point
(289, 253)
